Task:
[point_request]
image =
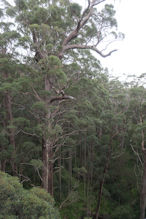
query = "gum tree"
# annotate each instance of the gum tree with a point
(51, 32)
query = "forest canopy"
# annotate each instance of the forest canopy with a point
(65, 124)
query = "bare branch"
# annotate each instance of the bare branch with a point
(86, 9)
(137, 154)
(65, 97)
(80, 24)
(36, 95)
(84, 20)
(97, 2)
(87, 13)
(142, 135)
(26, 179)
(27, 133)
(76, 46)
(37, 170)
(118, 155)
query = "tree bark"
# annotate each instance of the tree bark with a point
(104, 174)
(8, 104)
(50, 175)
(47, 170)
(101, 188)
(143, 190)
(3, 165)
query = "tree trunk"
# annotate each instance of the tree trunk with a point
(101, 188)
(70, 169)
(50, 175)
(143, 190)
(104, 173)
(60, 170)
(47, 171)
(11, 131)
(3, 165)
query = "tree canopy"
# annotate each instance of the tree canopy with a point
(65, 125)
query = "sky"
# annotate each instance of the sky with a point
(131, 55)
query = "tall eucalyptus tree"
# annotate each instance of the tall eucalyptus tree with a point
(51, 31)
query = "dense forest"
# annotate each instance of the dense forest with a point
(71, 136)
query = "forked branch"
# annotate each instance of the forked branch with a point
(86, 15)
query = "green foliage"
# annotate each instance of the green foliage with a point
(75, 9)
(92, 127)
(36, 163)
(123, 212)
(39, 107)
(15, 202)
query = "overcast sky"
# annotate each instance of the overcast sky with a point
(131, 55)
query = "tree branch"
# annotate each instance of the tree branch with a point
(65, 97)
(76, 46)
(97, 2)
(80, 24)
(142, 134)
(87, 13)
(137, 154)
(36, 95)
